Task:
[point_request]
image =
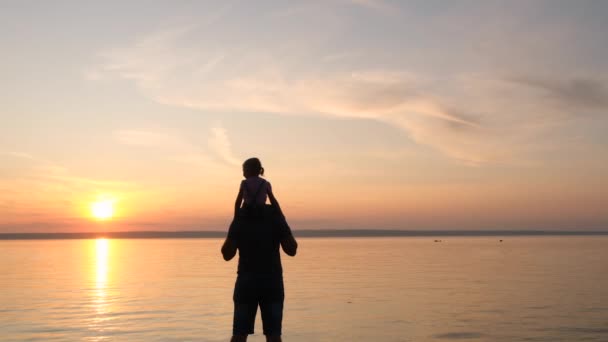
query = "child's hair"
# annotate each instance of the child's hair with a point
(253, 166)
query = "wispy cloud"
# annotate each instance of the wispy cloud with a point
(41, 170)
(220, 144)
(172, 146)
(146, 138)
(575, 93)
(377, 5)
(393, 97)
(475, 118)
(218, 151)
(20, 155)
(42, 165)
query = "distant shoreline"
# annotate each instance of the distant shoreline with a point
(329, 233)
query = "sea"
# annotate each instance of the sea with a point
(523, 288)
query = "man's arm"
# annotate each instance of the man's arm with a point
(228, 249)
(237, 203)
(288, 243)
(275, 203)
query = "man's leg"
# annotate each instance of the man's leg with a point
(271, 307)
(245, 308)
(244, 320)
(272, 317)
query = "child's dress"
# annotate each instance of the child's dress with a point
(255, 190)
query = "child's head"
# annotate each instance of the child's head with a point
(252, 167)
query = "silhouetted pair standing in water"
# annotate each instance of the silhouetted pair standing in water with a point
(257, 231)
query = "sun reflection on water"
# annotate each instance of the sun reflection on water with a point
(99, 300)
(102, 251)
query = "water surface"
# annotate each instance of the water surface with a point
(357, 289)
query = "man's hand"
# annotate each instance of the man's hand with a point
(228, 249)
(289, 245)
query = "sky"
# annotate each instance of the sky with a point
(365, 113)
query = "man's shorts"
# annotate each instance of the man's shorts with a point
(251, 291)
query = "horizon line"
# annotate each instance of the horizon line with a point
(329, 233)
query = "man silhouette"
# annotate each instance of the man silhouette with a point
(260, 275)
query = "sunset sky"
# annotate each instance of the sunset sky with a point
(365, 113)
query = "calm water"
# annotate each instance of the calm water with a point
(376, 289)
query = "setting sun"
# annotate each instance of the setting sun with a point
(103, 209)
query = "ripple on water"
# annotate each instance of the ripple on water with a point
(459, 335)
(584, 330)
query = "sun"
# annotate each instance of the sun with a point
(103, 210)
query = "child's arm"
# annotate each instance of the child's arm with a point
(239, 200)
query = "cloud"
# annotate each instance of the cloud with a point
(19, 155)
(376, 5)
(367, 3)
(172, 146)
(180, 149)
(232, 83)
(475, 118)
(582, 93)
(220, 144)
(146, 138)
(50, 173)
(27, 161)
